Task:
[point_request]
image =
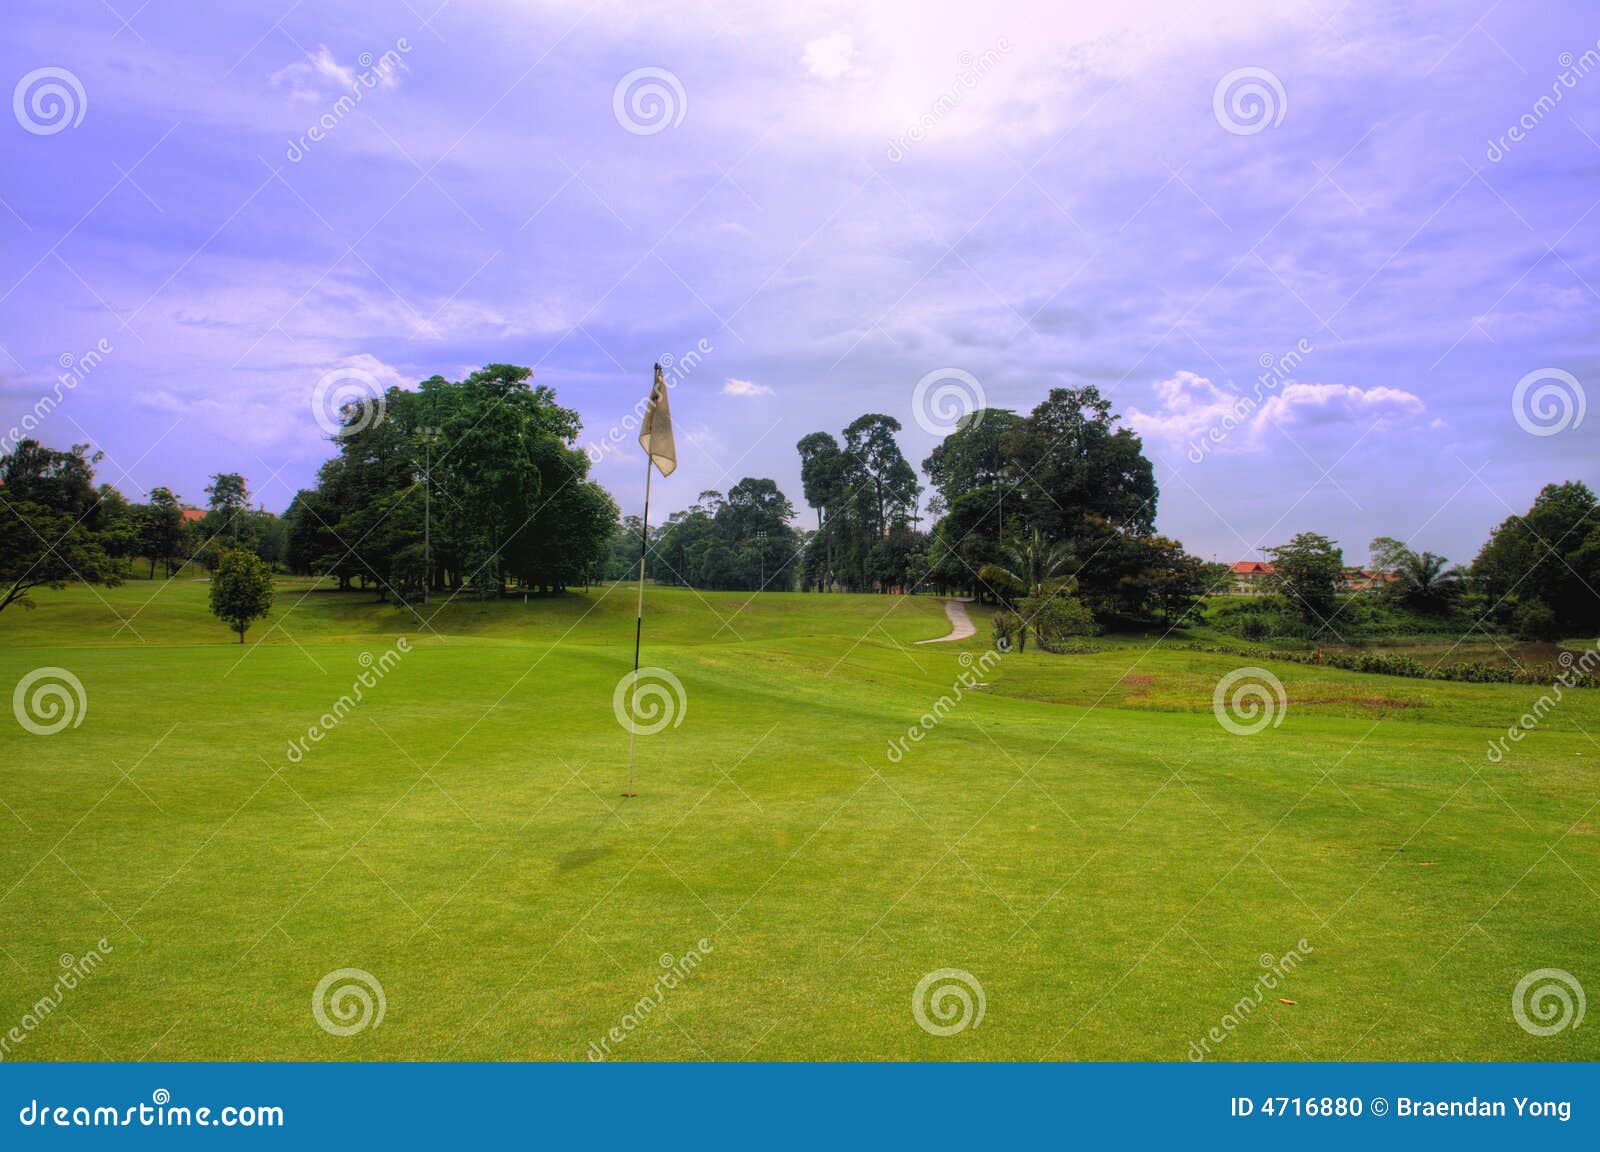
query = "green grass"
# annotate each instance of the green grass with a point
(1081, 835)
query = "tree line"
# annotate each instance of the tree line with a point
(1535, 577)
(476, 486)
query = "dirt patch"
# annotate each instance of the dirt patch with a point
(1358, 701)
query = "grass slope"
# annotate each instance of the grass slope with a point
(1081, 835)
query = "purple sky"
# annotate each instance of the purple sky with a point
(838, 200)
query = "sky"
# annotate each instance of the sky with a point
(1337, 264)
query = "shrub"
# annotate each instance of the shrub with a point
(1056, 619)
(1007, 626)
(1535, 620)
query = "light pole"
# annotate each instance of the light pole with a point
(429, 435)
(761, 545)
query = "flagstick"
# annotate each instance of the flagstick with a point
(638, 623)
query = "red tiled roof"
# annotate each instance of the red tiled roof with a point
(1251, 568)
(191, 514)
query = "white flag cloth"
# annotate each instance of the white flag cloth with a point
(655, 437)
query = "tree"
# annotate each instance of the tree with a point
(55, 526)
(241, 589)
(160, 526)
(1079, 463)
(1034, 567)
(1031, 581)
(1550, 556)
(877, 466)
(1055, 619)
(965, 539)
(1307, 571)
(822, 479)
(866, 493)
(739, 541)
(228, 497)
(978, 454)
(1419, 580)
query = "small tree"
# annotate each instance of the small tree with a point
(241, 590)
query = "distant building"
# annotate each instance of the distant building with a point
(190, 515)
(1250, 577)
(1364, 579)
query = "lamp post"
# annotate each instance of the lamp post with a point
(761, 545)
(429, 436)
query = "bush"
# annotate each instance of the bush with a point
(1056, 619)
(1007, 625)
(1535, 620)
(1573, 670)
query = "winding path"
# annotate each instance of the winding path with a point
(961, 625)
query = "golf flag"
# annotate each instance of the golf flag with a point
(655, 437)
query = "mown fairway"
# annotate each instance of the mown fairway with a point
(1082, 836)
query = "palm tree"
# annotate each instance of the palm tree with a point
(1424, 580)
(1034, 564)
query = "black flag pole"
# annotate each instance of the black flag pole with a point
(638, 622)
(653, 439)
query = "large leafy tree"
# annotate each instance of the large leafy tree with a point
(965, 539)
(1544, 565)
(822, 468)
(866, 492)
(979, 454)
(739, 541)
(1076, 462)
(55, 525)
(227, 496)
(508, 492)
(160, 529)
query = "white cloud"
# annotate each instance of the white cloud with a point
(1190, 404)
(735, 387)
(306, 78)
(1307, 405)
(1193, 408)
(319, 74)
(831, 57)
